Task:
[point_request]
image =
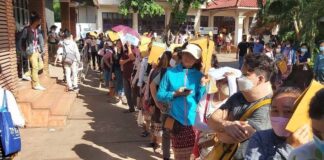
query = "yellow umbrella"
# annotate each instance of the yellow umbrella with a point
(112, 35)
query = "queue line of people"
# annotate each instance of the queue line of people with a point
(177, 103)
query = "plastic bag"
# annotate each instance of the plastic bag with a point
(140, 118)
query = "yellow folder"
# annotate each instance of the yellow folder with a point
(300, 116)
(112, 35)
(156, 51)
(282, 65)
(208, 48)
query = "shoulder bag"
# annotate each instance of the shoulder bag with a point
(223, 151)
(10, 136)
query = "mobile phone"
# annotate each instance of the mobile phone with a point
(186, 90)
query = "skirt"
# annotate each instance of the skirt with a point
(183, 143)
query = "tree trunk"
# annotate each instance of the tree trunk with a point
(172, 22)
(297, 29)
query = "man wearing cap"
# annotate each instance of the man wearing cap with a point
(181, 88)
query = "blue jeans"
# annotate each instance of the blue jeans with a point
(119, 81)
(241, 60)
(129, 95)
(107, 76)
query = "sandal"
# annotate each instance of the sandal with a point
(145, 134)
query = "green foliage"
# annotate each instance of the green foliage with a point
(179, 12)
(298, 19)
(57, 10)
(143, 7)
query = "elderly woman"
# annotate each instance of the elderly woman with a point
(181, 88)
(225, 78)
(277, 143)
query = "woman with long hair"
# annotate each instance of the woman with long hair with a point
(181, 88)
(159, 107)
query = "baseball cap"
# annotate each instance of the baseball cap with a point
(194, 50)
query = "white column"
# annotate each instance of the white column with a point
(135, 21)
(211, 21)
(238, 29)
(197, 20)
(167, 17)
(246, 26)
(99, 19)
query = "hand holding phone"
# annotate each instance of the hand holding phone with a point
(182, 92)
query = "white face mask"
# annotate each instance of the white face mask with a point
(172, 62)
(225, 90)
(244, 84)
(278, 50)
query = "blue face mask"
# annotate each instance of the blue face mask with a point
(322, 49)
(304, 50)
(319, 143)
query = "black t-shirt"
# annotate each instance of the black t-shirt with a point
(243, 46)
(237, 105)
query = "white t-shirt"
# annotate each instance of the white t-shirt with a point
(17, 118)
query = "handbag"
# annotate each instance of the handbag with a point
(10, 136)
(68, 57)
(172, 125)
(223, 151)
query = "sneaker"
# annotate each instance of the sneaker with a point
(70, 90)
(26, 78)
(76, 88)
(129, 111)
(123, 100)
(39, 87)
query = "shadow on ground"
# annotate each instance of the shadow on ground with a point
(114, 134)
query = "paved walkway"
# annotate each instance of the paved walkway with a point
(96, 130)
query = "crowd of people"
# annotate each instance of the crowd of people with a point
(245, 110)
(224, 113)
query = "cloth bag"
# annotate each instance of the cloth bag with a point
(10, 136)
(222, 151)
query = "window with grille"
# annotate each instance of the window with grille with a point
(21, 13)
(109, 20)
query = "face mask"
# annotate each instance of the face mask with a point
(278, 50)
(304, 50)
(110, 43)
(244, 84)
(225, 90)
(288, 45)
(319, 143)
(172, 62)
(322, 49)
(279, 124)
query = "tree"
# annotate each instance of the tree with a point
(143, 7)
(57, 10)
(298, 19)
(179, 11)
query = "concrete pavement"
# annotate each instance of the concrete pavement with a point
(96, 130)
